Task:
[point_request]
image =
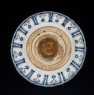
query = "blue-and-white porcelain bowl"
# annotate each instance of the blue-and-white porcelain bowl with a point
(48, 49)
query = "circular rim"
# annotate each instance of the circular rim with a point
(83, 56)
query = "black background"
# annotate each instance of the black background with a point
(12, 14)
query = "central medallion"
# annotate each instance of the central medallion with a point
(48, 48)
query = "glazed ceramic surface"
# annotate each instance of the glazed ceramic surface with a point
(48, 49)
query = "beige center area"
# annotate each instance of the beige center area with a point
(48, 48)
